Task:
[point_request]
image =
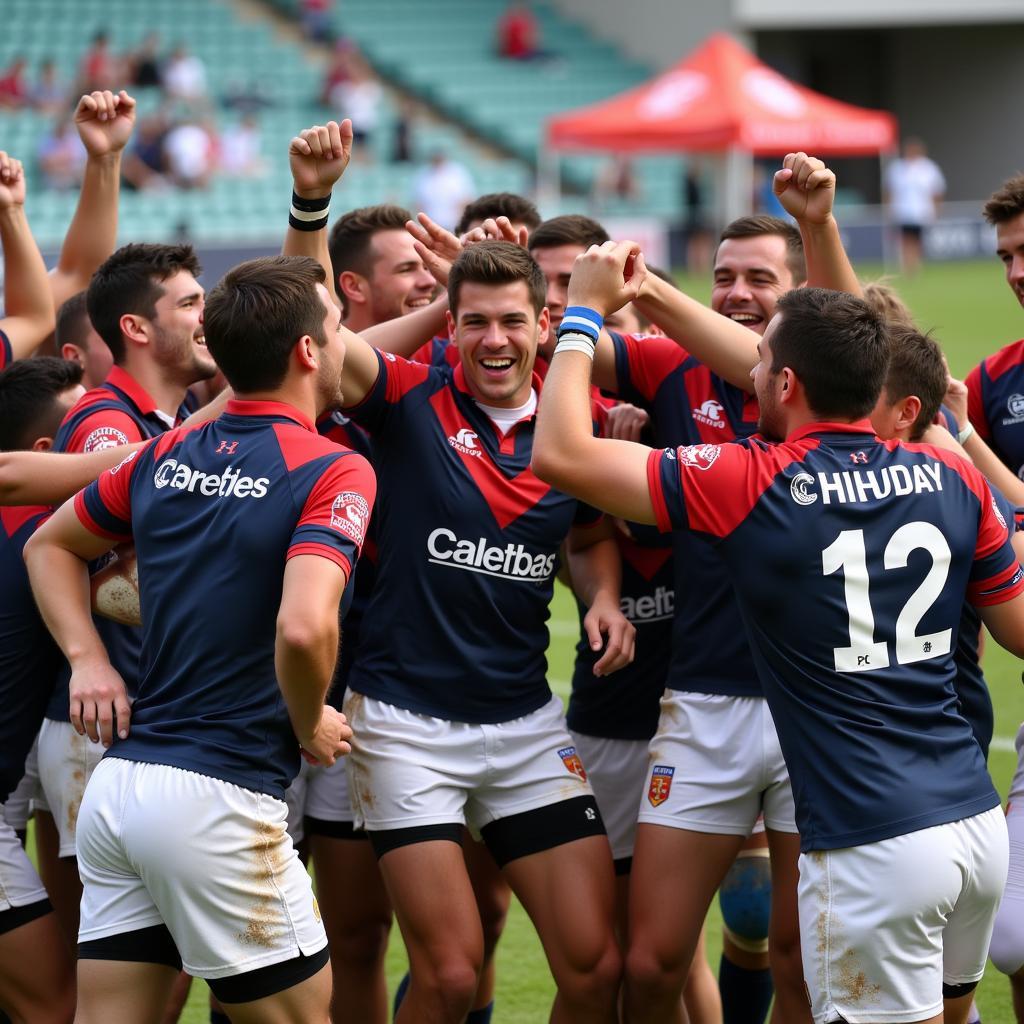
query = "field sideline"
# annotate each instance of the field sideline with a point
(972, 313)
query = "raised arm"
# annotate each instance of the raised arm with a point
(318, 157)
(49, 478)
(606, 473)
(104, 122)
(29, 312)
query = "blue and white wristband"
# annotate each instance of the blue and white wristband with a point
(582, 320)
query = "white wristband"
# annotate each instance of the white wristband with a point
(965, 433)
(572, 342)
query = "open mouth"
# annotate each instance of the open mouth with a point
(200, 340)
(497, 364)
(418, 303)
(746, 319)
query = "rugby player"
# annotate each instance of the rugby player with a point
(520, 212)
(835, 657)
(425, 719)
(182, 841)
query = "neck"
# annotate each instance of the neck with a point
(167, 394)
(298, 397)
(359, 319)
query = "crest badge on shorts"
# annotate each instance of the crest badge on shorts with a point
(661, 784)
(572, 761)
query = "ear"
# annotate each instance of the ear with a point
(42, 444)
(788, 385)
(909, 410)
(72, 353)
(450, 320)
(306, 350)
(135, 328)
(544, 326)
(354, 287)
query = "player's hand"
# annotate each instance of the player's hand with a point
(330, 740)
(607, 627)
(955, 400)
(625, 422)
(318, 157)
(99, 702)
(105, 121)
(497, 230)
(437, 247)
(606, 277)
(12, 182)
(806, 188)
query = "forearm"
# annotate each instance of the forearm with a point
(92, 235)
(564, 426)
(305, 665)
(724, 346)
(405, 334)
(60, 583)
(596, 571)
(49, 478)
(27, 298)
(994, 470)
(828, 266)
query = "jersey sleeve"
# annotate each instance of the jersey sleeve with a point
(105, 506)
(396, 378)
(976, 403)
(996, 575)
(106, 428)
(642, 364)
(336, 514)
(6, 352)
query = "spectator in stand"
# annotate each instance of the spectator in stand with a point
(316, 20)
(442, 189)
(97, 70)
(13, 90)
(914, 189)
(62, 156)
(401, 144)
(144, 164)
(144, 63)
(339, 69)
(240, 149)
(616, 180)
(359, 98)
(518, 34)
(184, 76)
(190, 150)
(48, 95)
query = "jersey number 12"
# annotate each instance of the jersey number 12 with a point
(847, 552)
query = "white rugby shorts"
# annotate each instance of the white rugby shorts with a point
(616, 770)
(66, 763)
(296, 796)
(19, 884)
(23, 800)
(410, 770)
(884, 925)
(714, 765)
(209, 859)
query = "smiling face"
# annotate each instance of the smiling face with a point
(497, 333)
(1010, 249)
(398, 282)
(749, 277)
(179, 339)
(556, 263)
(767, 384)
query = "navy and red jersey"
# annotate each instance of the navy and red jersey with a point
(439, 351)
(28, 656)
(626, 704)
(118, 412)
(468, 543)
(851, 558)
(995, 403)
(691, 405)
(6, 352)
(214, 514)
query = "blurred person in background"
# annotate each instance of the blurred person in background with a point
(13, 88)
(61, 156)
(359, 96)
(914, 187)
(184, 76)
(144, 64)
(48, 94)
(442, 189)
(97, 70)
(240, 149)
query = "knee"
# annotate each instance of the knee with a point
(594, 978)
(451, 982)
(647, 971)
(360, 941)
(493, 907)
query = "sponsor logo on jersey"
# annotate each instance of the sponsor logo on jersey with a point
(104, 437)
(656, 607)
(799, 489)
(350, 514)
(661, 784)
(858, 486)
(710, 414)
(124, 462)
(228, 484)
(511, 562)
(1016, 406)
(999, 515)
(465, 441)
(572, 762)
(698, 456)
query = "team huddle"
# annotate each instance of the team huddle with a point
(284, 599)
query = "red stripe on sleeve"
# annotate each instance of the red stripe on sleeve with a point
(322, 551)
(90, 524)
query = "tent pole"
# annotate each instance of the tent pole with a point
(739, 182)
(890, 251)
(549, 184)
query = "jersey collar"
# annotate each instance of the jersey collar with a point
(125, 383)
(824, 427)
(241, 407)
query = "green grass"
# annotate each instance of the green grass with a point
(972, 312)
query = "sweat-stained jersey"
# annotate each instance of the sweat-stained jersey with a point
(995, 403)
(851, 558)
(214, 514)
(691, 405)
(28, 656)
(468, 542)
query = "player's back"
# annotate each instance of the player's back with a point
(214, 514)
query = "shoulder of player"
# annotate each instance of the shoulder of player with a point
(1006, 360)
(654, 346)
(301, 447)
(96, 425)
(964, 468)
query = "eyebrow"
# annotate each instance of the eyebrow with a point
(189, 298)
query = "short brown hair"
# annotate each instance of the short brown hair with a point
(886, 302)
(256, 314)
(761, 224)
(570, 229)
(350, 239)
(1006, 202)
(916, 367)
(837, 346)
(73, 323)
(518, 209)
(497, 263)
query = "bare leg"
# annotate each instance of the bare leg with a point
(492, 899)
(306, 1003)
(791, 1003)
(110, 990)
(43, 993)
